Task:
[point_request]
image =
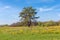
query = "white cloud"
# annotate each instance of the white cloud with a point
(48, 9)
(45, 9)
(6, 7)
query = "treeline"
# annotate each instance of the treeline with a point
(41, 24)
(49, 23)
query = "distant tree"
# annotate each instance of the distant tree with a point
(58, 23)
(5, 25)
(40, 23)
(50, 23)
(17, 24)
(28, 15)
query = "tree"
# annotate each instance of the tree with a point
(28, 15)
(50, 23)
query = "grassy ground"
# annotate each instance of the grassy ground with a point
(25, 33)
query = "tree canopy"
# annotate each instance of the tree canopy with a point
(28, 15)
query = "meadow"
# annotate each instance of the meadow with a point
(30, 33)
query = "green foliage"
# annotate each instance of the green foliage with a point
(48, 23)
(28, 15)
(6, 25)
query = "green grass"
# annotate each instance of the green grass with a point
(30, 37)
(6, 33)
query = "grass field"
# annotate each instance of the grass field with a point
(34, 33)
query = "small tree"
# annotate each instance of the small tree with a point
(28, 15)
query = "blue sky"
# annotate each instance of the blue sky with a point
(47, 9)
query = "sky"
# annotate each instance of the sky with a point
(46, 10)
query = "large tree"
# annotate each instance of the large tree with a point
(28, 15)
